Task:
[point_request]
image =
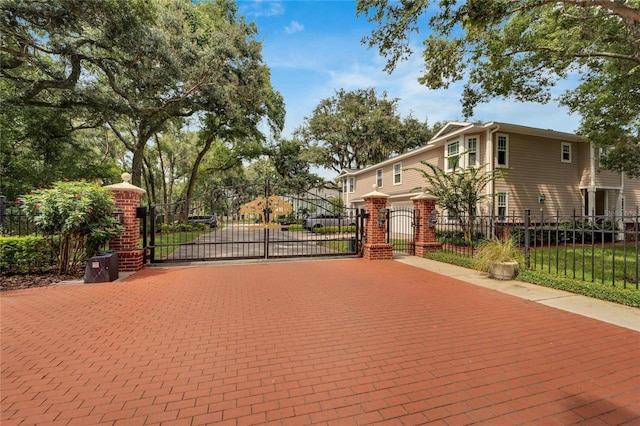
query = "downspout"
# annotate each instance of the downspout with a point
(591, 190)
(490, 190)
(619, 210)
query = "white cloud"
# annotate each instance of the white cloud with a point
(293, 27)
(258, 8)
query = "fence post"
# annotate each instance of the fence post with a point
(527, 225)
(425, 235)
(127, 245)
(375, 246)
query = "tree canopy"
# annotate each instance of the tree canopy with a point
(523, 49)
(136, 65)
(355, 129)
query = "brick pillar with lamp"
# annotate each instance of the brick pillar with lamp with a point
(127, 245)
(426, 220)
(375, 246)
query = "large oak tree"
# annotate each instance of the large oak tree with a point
(354, 129)
(521, 50)
(137, 65)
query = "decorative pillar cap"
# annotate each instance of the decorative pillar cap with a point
(375, 193)
(424, 196)
(125, 185)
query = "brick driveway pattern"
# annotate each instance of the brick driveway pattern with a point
(315, 342)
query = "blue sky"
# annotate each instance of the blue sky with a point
(313, 48)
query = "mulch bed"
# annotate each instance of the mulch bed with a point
(40, 279)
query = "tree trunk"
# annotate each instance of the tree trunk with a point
(196, 166)
(137, 163)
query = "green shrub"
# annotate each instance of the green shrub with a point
(75, 216)
(333, 229)
(24, 254)
(182, 227)
(457, 238)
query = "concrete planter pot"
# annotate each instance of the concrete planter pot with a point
(504, 270)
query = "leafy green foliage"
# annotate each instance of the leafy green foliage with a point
(625, 296)
(138, 66)
(291, 161)
(79, 213)
(23, 254)
(460, 190)
(522, 50)
(355, 129)
(333, 229)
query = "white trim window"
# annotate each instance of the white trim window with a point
(452, 156)
(502, 151)
(379, 178)
(565, 154)
(352, 185)
(397, 173)
(502, 199)
(472, 152)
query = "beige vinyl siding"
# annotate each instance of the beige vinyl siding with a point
(411, 179)
(366, 179)
(535, 168)
(631, 195)
(583, 160)
(607, 179)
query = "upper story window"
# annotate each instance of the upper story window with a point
(502, 151)
(452, 156)
(352, 184)
(379, 178)
(472, 152)
(565, 152)
(397, 173)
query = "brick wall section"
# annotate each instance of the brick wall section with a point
(425, 240)
(127, 245)
(375, 246)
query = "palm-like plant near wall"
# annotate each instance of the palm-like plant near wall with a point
(460, 190)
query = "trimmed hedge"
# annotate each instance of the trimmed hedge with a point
(182, 227)
(333, 229)
(24, 254)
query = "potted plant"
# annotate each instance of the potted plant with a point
(500, 258)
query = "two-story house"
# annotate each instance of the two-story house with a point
(549, 170)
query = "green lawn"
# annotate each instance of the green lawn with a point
(341, 246)
(167, 242)
(609, 266)
(626, 296)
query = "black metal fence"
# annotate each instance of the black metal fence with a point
(13, 222)
(596, 248)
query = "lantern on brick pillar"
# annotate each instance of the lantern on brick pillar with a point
(375, 246)
(127, 245)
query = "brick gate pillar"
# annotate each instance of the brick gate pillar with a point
(127, 245)
(425, 236)
(375, 245)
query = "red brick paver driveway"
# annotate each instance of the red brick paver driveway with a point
(335, 342)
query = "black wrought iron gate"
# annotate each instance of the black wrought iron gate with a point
(253, 222)
(401, 229)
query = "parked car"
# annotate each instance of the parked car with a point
(319, 220)
(210, 220)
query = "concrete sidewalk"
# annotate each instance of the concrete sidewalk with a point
(612, 313)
